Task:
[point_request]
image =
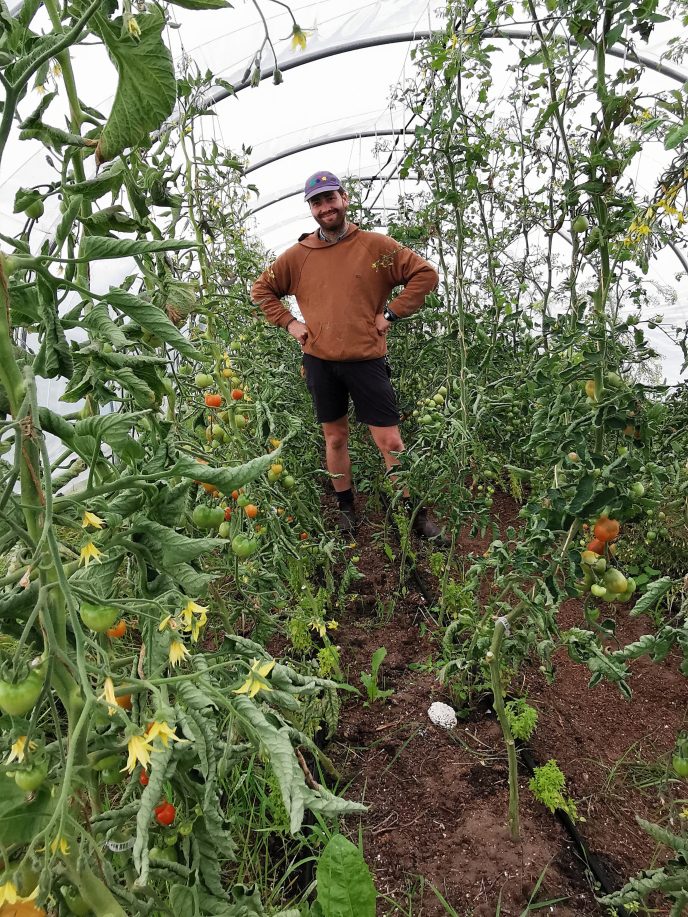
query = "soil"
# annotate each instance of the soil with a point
(437, 799)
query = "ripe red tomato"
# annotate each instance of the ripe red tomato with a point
(118, 630)
(143, 778)
(606, 529)
(237, 394)
(228, 514)
(596, 545)
(303, 536)
(213, 400)
(165, 813)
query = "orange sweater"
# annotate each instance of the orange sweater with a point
(340, 288)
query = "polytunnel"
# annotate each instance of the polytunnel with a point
(332, 541)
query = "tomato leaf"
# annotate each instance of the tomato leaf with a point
(653, 594)
(54, 357)
(151, 319)
(147, 88)
(225, 479)
(96, 248)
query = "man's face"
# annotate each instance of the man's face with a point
(329, 210)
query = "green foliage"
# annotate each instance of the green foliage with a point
(548, 786)
(374, 692)
(522, 718)
(345, 886)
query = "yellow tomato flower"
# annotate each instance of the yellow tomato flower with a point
(139, 749)
(178, 652)
(88, 553)
(8, 893)
(92, 519)
(275, 443)
(109, 696)
(59, 843)
(133, 27)
(167, 622)
(18, 750)
(332, 625)
(298, 38)
(256, 678)
(194, 617)
(162, 731)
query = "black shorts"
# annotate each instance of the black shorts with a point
(330, 383)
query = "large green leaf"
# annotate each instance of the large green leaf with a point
(225, 479)
(151, 319)
(345, 886)
(113, 429)
(101, 326)
(172, 547)
(97, 248)
(109, 180)
(54, 357)
(147, 88)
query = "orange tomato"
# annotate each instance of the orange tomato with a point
(22, 909)
(124, 701)
(235, 495)
(251, 510)
(213, 400)
(303, 536)
(117, 630)
(237, 394)
(228, 514)
(596, 545)
(606, 529)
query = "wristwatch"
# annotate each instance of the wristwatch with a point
(389, 315)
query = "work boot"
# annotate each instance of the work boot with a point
(426, 528)
(346, 521)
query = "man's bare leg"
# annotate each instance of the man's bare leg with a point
(336, 435)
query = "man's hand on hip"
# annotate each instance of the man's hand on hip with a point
(299, 331)
(381, 324)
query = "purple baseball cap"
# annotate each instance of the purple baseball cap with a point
(319, 182)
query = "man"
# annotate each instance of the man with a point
(342, 277)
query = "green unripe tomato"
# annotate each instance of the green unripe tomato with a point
(240, 421)
(242, 500)
(243, 546)
(598, 590)
(615, 581)
(224, 530)
(272, 477)
(163, 855)
(614, 379)
(32, 777)
(637, 489)
(208, 517)
(288, 482)
(203, 380)
(98, 617)
(442, 390)
(35, 210)
(20, 697)
(680, 766)
(438, 399)
(581, 223)
(111, 775)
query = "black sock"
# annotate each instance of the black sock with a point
(344, 497)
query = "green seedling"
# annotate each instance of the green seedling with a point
(370, 680)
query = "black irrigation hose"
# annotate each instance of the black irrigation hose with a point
(592, 861)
